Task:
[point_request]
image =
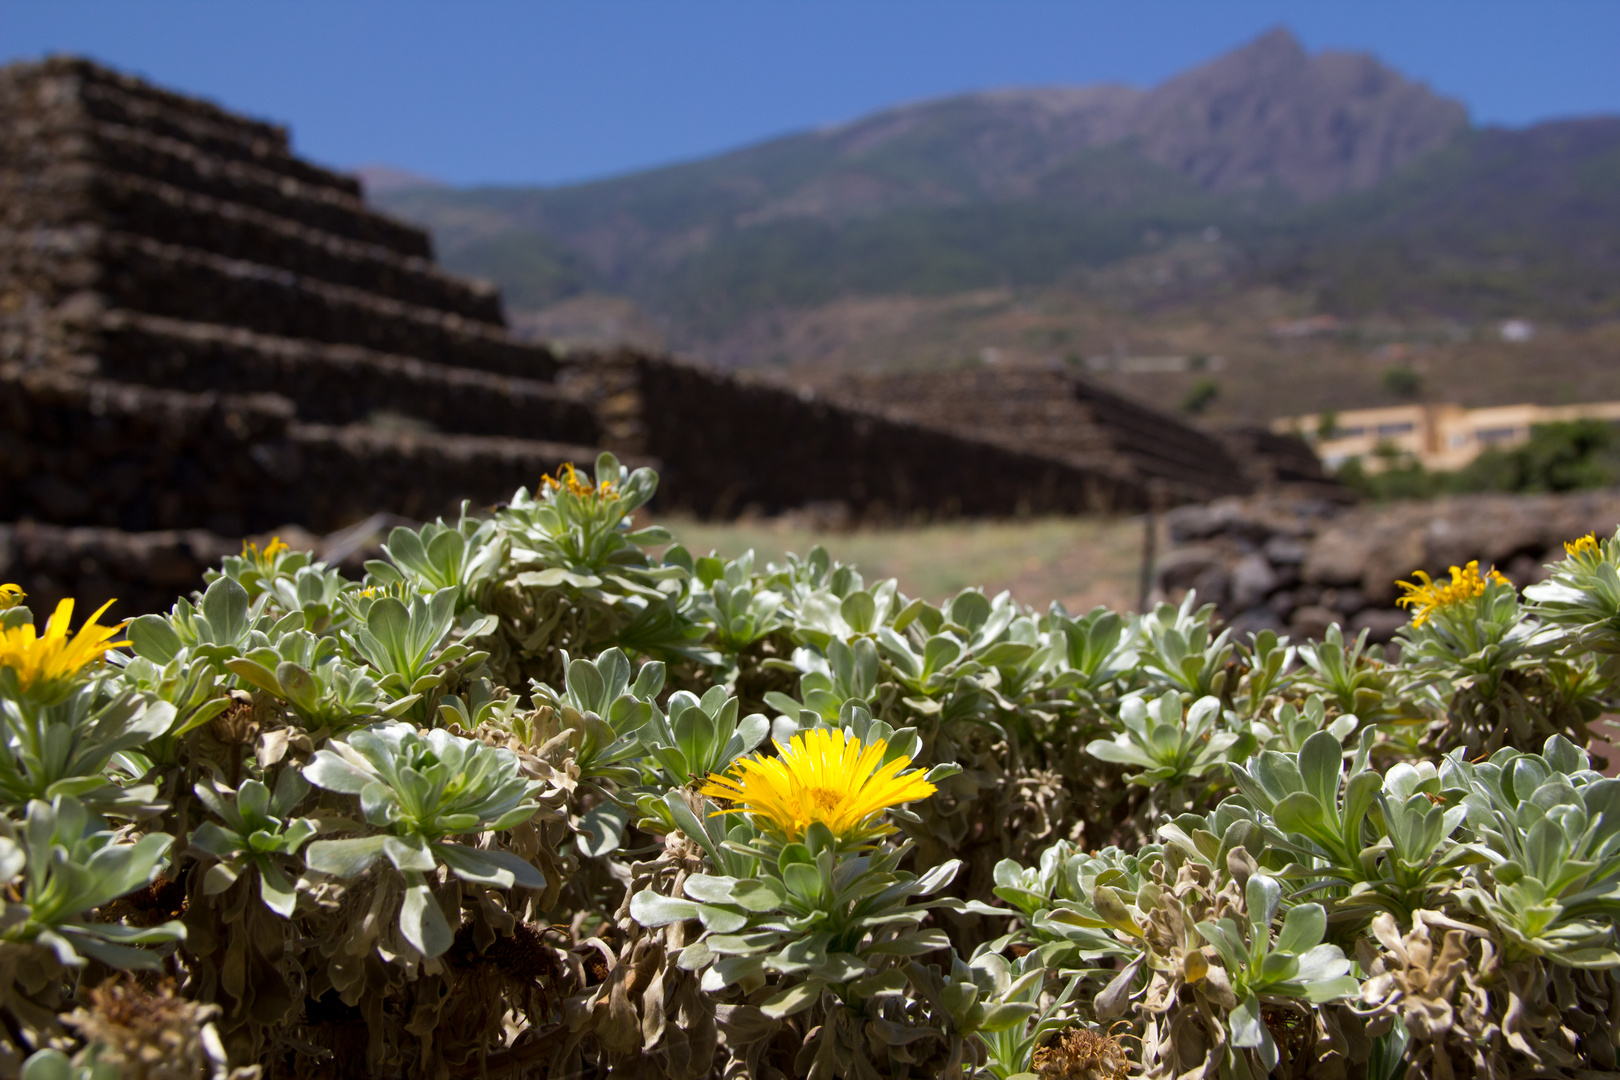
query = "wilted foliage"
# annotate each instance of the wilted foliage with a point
(547, 796)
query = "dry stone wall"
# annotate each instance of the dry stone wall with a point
(1056, 414)
(77, 451)
(900, 447)
(729, 446)
(1299, 563)
(203, 335)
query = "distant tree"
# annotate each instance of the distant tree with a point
(1402, 381)
(1327, 425)
(1568, 456)
(1200, 396)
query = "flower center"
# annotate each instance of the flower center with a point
(825, 799)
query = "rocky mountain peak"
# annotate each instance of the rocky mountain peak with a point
(1266, 115)
(1271, 114)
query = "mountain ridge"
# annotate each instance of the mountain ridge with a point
(1027, 187)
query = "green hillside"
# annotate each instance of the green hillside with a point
(1329, 176)
(1498, 223)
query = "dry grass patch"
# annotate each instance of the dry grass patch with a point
(1079, 561)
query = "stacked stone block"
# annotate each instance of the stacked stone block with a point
(907, 446)
(1057, 414)
(203, 335)
(1297, 564)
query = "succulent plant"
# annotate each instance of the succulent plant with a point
(64, 863)
(1167, 743)
(506, 804)
(417, 790)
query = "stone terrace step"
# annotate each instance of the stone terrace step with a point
(77, 451)
(110, 96)
(87, 452)
(127, 203)
(143, 572)
(1053, 413)
(728, 445)
(332, 383)
(35, 150)
(141, 274)
(356, 471)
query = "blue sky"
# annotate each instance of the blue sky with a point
(480, 91)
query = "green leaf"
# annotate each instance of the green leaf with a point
(1005, 1015)
(276, 890)
(255, 674)
(602, 829)
(225, 607)
(938, 877)
(802, 880)
(335, 773)
(794, 999)
(859, 610)
(1276, 967)
(422, 923)
(1263, 894)
(501, 869)
(913, 944)
(653, 909)
(758, 894)
(1345, 986)
(1248, 1028)
(720, 920)
(152, 637)
(892, 981)
(1115, 753)
(1302, 929)
(1321, 764)
(344, 858)
(48, 1065)
(1301, 812)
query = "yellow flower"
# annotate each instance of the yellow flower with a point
(820, 776)
(1586, 545)
(568, 479)
(1430, 596)
(10, 596)
(265, 559)
(55, 657)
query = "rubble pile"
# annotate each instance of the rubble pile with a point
(1299, 563)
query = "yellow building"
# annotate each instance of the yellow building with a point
(1440, 437)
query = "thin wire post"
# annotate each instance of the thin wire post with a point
(1157, 498)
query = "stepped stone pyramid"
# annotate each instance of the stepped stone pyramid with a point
(201, 331)
(889, 447)
(1060, 415)
(204, 337)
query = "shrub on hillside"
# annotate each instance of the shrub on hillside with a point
(1564, 456)
(549, 795)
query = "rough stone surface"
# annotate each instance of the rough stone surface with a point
(1059, 415)
(727, 446)
(79, 451)
(201, 331)
(1309, 562)
(1181, 566)
(899, 446)
(1253, 579)
(143, 571)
